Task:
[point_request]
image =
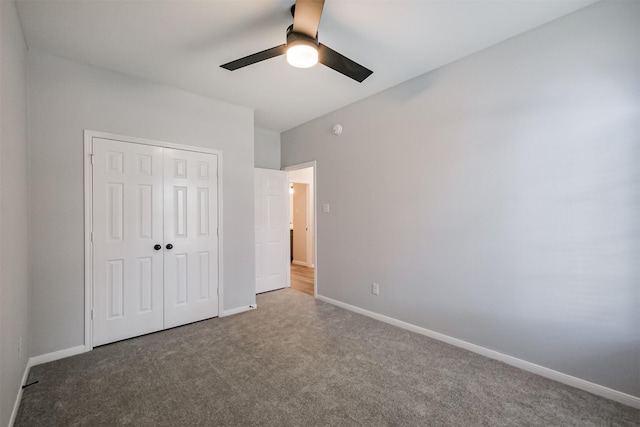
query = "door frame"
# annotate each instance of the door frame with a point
(311, 164)
(88, 217)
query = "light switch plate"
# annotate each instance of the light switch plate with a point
(325, 208)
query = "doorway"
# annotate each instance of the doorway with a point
(302, 226)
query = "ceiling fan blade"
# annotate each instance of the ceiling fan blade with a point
(256, 57)
(342, 64)
(306, 18)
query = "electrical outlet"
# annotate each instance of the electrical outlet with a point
(375, 289)
(20, 348)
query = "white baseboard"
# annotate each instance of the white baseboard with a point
(56, 355)
(16, 405)
(239, 310)
(593, 388)
(39, 360)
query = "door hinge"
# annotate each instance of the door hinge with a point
(218, 291)
(91, 314)
(91, 158)
(218, 232)
(92, 237)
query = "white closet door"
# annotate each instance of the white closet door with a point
(272, 229)
(190, 236)
(127, 224)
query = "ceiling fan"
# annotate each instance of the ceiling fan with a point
(302, 47)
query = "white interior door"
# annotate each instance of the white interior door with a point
(190, 236)
(127, 225)
(272, 229)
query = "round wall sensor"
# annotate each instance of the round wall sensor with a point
(337, 129)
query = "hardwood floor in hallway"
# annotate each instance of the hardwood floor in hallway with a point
(302, 279)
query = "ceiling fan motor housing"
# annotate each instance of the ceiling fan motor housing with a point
(295, 38)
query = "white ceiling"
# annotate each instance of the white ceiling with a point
(182, 43)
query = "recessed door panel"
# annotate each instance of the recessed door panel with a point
(275, 212)
(115, 288)
(203, 211)
(180, 212)
(116, 161)
(115, 209)
(145, 211)
(145, 165)
(179, 168)
(145, 284)
(181, 279)
(203, 276)
(203, 170)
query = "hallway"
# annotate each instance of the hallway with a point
(302, 279)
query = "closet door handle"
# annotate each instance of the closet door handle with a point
(157, 247)
(169, 246)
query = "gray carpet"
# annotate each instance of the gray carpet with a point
(299, 362)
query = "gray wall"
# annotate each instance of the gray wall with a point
(66, 97)
(496, 199)
(267, 149)
(14, 212)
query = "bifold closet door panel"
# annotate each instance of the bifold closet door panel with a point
(190, 236)
(127, 227)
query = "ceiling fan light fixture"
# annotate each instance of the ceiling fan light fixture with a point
(302, 47)
(302, 54)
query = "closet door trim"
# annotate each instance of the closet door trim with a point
(89, 135)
